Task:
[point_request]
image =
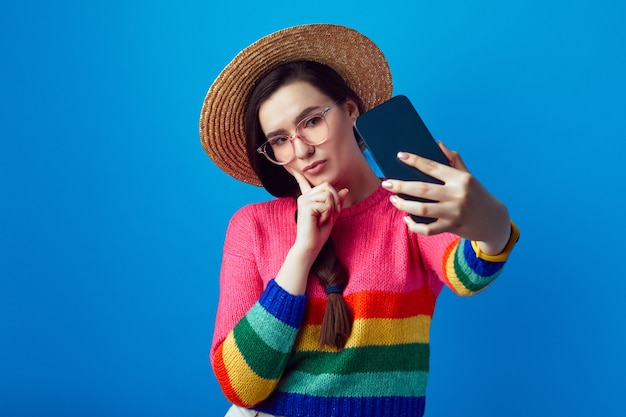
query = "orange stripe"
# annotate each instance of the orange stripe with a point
(378, 304)
(446, 256)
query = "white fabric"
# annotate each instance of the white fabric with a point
(235, 411)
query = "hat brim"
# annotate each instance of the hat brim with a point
(347, 51)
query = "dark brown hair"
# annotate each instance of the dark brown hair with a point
(337, 324)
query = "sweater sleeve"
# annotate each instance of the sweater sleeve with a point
(255, 327)
(464, 270)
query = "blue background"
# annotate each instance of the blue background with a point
(112, 217)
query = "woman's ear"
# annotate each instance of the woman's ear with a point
(353, 109)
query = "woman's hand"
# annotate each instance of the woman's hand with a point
(318, 208)
(461, 205)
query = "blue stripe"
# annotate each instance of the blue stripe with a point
(479, 266)
(282, 404)
(285, 307)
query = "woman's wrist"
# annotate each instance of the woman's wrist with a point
(488, 253)
(294, 273)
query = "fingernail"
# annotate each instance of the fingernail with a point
(393, 199)
(387, 184)
(402, 155)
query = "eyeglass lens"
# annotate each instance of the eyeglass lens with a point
(313, 130)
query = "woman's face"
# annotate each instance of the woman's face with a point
(334, 160)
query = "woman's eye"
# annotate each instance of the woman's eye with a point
(278, 140)
(313, 121)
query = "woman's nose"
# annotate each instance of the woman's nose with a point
(301, 148)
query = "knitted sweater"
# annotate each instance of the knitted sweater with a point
(265, 351)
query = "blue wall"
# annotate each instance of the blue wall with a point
(112, 217)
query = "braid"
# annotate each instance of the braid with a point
(337, 323)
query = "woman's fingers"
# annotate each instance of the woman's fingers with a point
(420, 189)
(415, 207)
(453, 157)
(343, 193)
(461, 204)
(427, 166)
(303, 183)
(427, 229)
(323, 202)
(449, 203)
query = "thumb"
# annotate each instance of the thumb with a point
(343, 193)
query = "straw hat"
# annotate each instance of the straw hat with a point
(347, 51)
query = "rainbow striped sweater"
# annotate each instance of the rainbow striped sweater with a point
(265, 351)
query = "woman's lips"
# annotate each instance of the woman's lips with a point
(314, 168)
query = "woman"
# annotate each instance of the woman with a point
(327, 292)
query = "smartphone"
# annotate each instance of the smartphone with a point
(395, 126)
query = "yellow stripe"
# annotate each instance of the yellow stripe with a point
(368, 332)
(454, 281)
(504, 255)
(249, 386)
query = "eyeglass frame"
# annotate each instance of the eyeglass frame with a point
(291, 138)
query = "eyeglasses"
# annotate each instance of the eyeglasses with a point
(312, 130)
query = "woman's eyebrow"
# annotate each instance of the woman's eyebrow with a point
(297, 120)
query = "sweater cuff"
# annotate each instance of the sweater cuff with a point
(286, 307)
(504, 255)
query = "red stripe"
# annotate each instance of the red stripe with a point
(221, 374)
(446, 255)
(378, 304)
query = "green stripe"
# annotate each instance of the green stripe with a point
(273, 332)
(470, 279)
(381, 384)
(266, 362)
(396, 358)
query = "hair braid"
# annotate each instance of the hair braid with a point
(337, 323)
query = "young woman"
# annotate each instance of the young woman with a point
(327, 292)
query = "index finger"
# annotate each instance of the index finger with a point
(303, 183)
(427, 166)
